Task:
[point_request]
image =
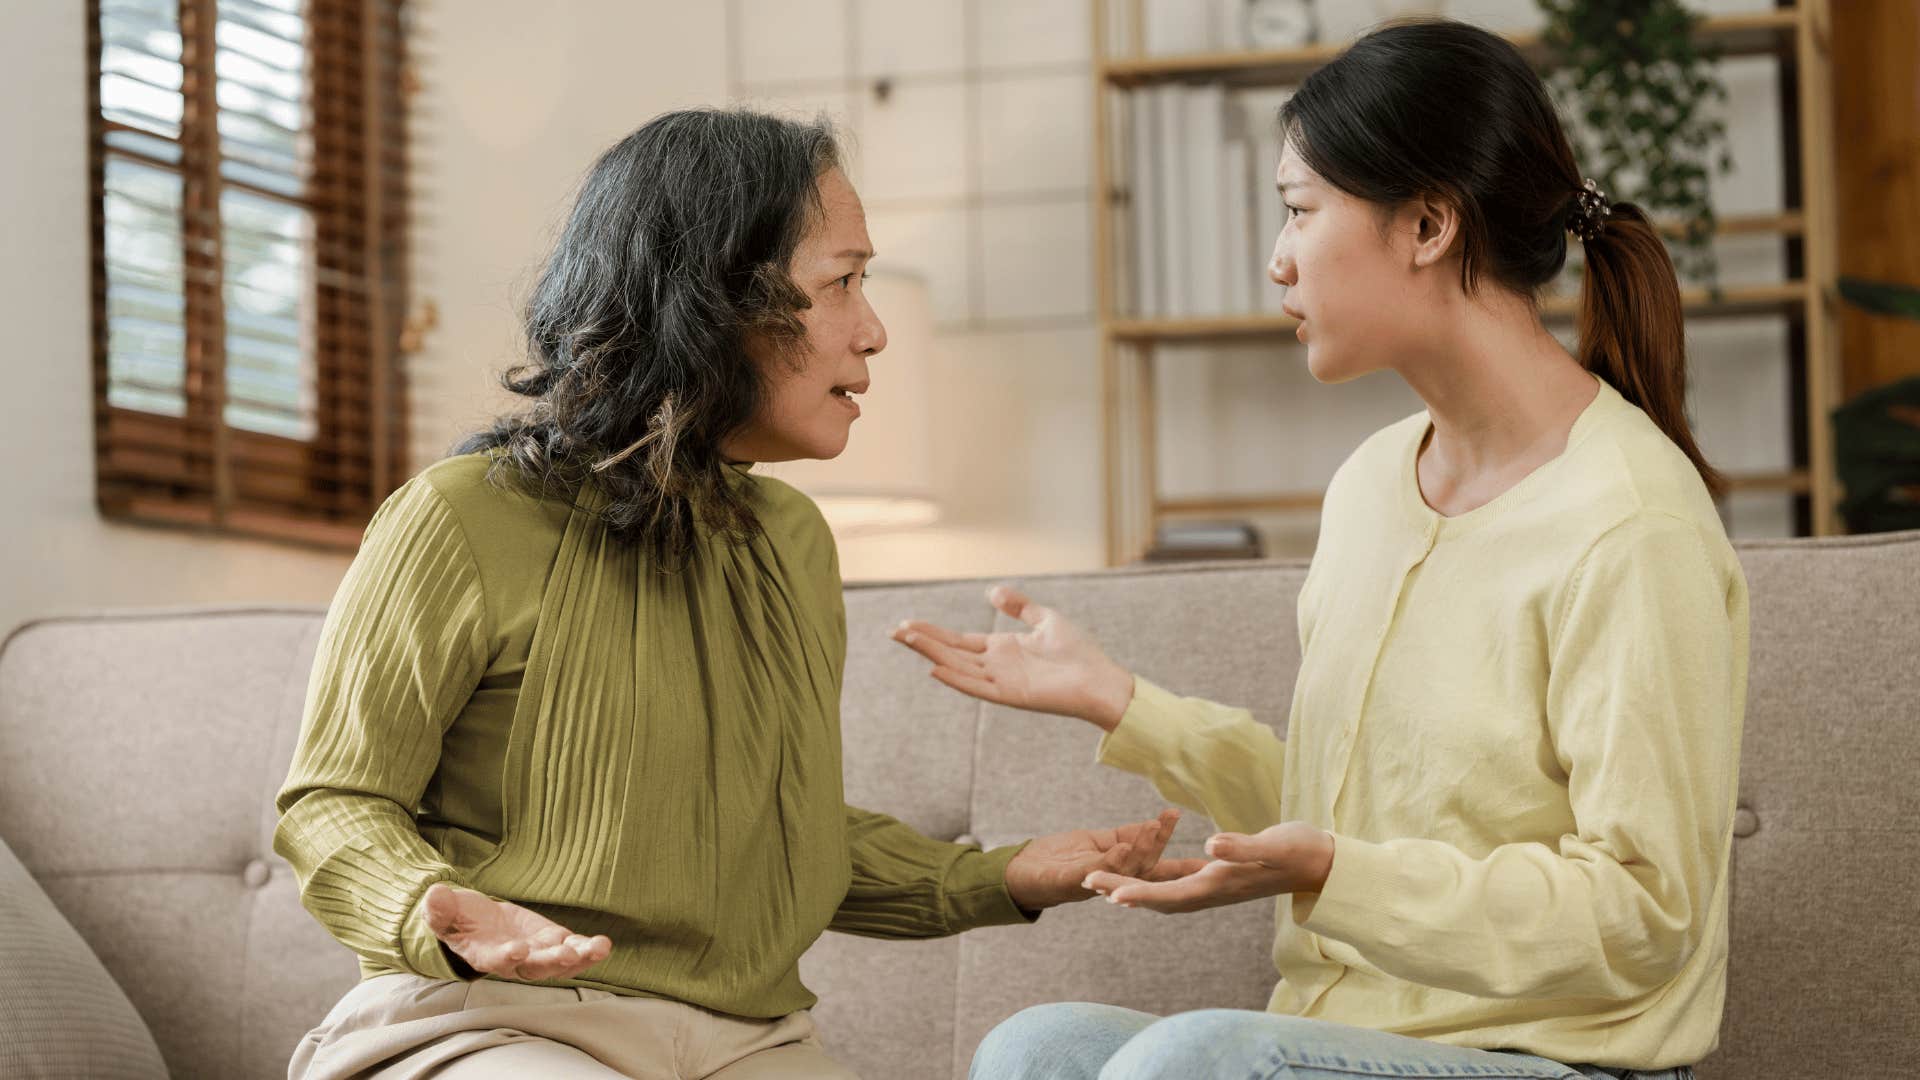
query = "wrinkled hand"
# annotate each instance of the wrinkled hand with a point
(1050, 870)
(1292, 857)
(508, 941)
(1052, 667)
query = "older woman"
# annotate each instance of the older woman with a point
(569, 778)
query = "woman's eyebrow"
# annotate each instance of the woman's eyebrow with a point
(854, 253)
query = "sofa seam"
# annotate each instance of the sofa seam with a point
(1865, 540)
(961, 943)
(182, 611)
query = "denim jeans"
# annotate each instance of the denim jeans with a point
(1076, 1041)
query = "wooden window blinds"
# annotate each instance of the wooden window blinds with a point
(248, 177)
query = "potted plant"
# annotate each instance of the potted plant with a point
(1876, 436)
(1637, 87)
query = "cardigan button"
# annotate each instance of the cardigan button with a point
(1745, 822)
(256, 874)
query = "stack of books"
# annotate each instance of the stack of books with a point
(1190, 541)
(1204, 212)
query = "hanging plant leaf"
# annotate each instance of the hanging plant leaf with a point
(1635, 72)
(1882, 297)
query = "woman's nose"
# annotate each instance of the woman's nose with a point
(1280, 268)
(871, 337)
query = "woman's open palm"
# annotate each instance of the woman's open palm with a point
(1052, 666)
(507, 941)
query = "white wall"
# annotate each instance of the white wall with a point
(1015, 427)
(976, 171)
(517, 102)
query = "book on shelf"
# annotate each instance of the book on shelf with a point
(1203, 212)
(1187, 541)
(1204, 154)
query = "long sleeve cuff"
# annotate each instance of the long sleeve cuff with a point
(1347, 907)
(977, 891)
(1149, 732)
(424, 952)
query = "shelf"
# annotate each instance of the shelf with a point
(1756, 34)
(1782, 299)
(1795, 36)
(1795, 482)
(1789, 223)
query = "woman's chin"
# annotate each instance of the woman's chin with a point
(1330, 370)
(828, 448)
(1318, 367)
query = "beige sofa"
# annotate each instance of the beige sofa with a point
(139, 753)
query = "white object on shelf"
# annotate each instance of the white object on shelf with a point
(1176, 280)
(1205, 109)
(1236, 224)
(1269, 215)
(1145, 207)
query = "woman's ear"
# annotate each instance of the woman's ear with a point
(1435, 223)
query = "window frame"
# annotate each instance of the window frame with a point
(195, 471)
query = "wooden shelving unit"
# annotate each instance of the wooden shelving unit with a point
(1797, 35)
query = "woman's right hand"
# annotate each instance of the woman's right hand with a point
(1053, 667)
(507, 941)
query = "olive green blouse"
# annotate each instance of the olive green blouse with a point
(508, 699)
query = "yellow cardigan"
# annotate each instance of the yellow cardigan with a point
(1522, 726)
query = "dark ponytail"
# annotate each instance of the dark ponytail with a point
(1631, 330)
(1438, 107)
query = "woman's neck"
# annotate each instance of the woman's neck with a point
(1502, 394)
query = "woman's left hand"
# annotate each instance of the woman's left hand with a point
(1291, 857)
(1051, 870)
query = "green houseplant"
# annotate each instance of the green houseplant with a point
(1876, 436)
(1637, 85)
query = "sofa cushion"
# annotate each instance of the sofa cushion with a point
(61, 1014)
(139, 755)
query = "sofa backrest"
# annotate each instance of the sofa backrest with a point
(139, 754)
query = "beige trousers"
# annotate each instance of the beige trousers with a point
(408, 1027)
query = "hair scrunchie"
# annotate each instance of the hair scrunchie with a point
(1590, 211)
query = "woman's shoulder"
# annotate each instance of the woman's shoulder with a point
(510, 535)
(1628, 468)
(481, 491)
(790, 518)
(776, 496)
(1377, 464)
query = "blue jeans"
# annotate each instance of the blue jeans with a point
(1077, 1041)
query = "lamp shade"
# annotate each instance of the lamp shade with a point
(883, 481)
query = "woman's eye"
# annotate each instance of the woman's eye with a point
(848, 280)
(1292, 210)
